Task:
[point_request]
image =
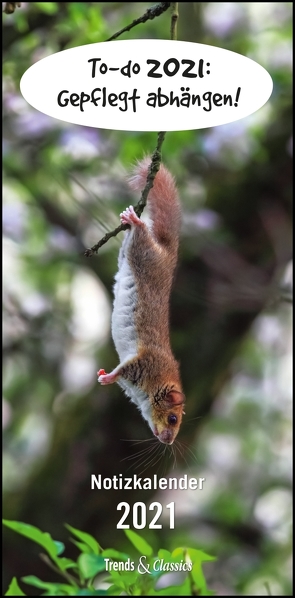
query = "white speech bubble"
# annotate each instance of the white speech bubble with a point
(147, 85)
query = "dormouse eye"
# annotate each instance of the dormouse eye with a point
(172, 420)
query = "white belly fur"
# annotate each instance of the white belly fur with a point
(123, 327)
(139, 398)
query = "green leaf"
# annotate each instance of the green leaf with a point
(33, 533)
(52, 589)
(48, 7)
(114, 590)
(120, 579)
(82, 547)
(199, 555)
(86, 538)
(182, 590)
(115, 554)
(166, 555)
(60, 547)
(61, 590)
(199, 578)
(65, 563)
(92, 593)
(178, 554)
(127, 578)
(32, 580)
(117, 579)
(139, 543)
(90, 565)
(14, 589)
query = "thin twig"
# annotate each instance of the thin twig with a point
(72, 580)
(174, 19)
(151, 13)
(267, 587)
(153, 169)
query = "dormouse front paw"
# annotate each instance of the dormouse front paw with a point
(129, 217)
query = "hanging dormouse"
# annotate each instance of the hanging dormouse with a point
(148, 372)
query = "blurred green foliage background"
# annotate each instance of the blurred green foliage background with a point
(64, 186)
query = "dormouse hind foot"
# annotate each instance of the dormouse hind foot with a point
(130, 217)
(104, 378)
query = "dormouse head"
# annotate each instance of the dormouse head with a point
(167, 415)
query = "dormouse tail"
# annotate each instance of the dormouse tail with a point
(163, 203)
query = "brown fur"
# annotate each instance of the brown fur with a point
(153, 266)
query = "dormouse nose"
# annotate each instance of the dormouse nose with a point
(166, 436)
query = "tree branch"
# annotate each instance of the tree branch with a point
(151, 13)
(153, 169)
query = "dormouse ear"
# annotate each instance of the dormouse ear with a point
(174, 398)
